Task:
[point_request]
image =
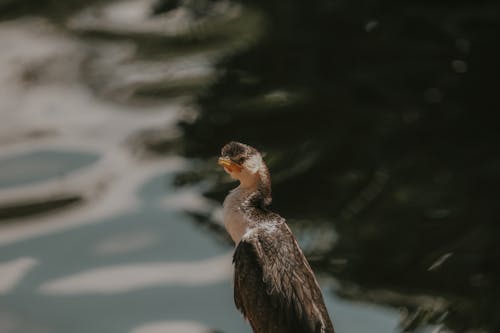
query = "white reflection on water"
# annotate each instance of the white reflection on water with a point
(119, 198)
(171, 327)
(13, 271)
(189, 201)
(134, 16)
(125, 278)
(125, 242)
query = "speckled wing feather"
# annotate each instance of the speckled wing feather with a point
(274, 286)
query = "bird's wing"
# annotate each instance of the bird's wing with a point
(274, 286)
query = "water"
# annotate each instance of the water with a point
(376, 122)
(40, 166)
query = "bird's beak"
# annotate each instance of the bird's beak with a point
(229, 165)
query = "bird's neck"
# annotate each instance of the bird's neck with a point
(258, 188)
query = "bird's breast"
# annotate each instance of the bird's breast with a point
(234, 220)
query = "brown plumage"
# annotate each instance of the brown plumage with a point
(274, 286)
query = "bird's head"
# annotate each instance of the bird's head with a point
(244, 163)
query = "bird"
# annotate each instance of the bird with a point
(274, 286)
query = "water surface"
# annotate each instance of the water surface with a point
(377, 121)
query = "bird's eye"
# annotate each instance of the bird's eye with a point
(239, 160)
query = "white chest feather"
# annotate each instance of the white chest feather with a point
(234, 220)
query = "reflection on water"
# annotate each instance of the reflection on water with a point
(13, 271)
(39, 166)
(131, 277)
(382, 128)
(105, 228)
(171, 327)
(122, 257)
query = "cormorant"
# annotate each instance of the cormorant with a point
(274, 286)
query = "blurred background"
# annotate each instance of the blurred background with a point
(380, 125)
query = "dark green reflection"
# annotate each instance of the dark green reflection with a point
(378, 118)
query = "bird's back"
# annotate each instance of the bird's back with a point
(274, 286)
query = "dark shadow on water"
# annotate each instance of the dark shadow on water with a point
(56, 10)
(25, 209)
(379, 118)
